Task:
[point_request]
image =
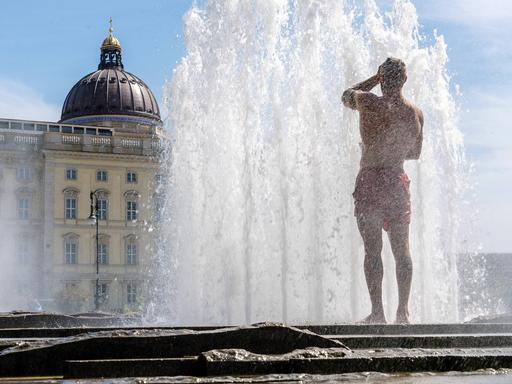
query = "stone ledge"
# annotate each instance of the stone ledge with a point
(47, 357)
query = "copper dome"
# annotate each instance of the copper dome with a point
(111, 93)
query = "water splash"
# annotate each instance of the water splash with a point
(264, 160)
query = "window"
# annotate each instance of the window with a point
(131, 205)
(24, 208)
(103, 292)
(131, 210)
(23, 250)
(70, 208)
(102, 208)
(70, 203)
(23, 174)
(101, 175)
(131, 177)
(70, 252)
(71, 248)
(131, 253)
(131, 293)
(158, 207)
(70, 285)
(102, 253)
(70, 174)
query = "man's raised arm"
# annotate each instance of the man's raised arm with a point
(359, 92)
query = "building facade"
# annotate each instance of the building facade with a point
(104, 151)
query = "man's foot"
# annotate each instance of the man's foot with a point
(373, 318)
(402, 318)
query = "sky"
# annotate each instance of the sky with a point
(48, 45)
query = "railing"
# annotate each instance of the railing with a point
(21, 133)
(101, 141)
(41, 126)
(71, 139)
(131, 143)
(28, 139)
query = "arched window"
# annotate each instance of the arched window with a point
(70, 203)
(131, 250)
(132, 205)
(71, 248)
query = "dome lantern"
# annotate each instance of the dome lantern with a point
(110, 56)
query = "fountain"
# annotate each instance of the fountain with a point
(264, 159)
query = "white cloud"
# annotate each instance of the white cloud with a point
(476, 13)
(18, 101)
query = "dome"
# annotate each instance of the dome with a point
(110, 91)
(111, 96)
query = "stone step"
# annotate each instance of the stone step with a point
(46, 357)
(341, 329)
(425, 341)
(58, 332)
(223, 363)
(386, 361)
(409, 329)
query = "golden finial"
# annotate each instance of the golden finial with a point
(111, 42)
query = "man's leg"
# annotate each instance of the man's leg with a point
(399, 238)
(371, 232)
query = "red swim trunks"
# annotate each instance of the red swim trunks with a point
(383, 192)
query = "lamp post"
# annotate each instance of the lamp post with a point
(93, 219)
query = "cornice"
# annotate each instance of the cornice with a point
(52, 153)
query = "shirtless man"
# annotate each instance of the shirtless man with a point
(392, 131)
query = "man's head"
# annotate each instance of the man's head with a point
(393, 75)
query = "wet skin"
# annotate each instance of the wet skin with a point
(391, 131)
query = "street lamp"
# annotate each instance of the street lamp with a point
(93, 220)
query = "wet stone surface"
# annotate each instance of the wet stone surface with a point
(261, 353)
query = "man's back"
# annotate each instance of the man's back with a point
(390, 130)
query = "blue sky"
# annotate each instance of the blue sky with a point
(48, 45)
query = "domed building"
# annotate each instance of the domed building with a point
(99, 163)
(111, 96)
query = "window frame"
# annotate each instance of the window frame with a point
(70, 210)
(24, 174)
(131, 177)
(102, 252)
(71, 174)
(102, 211)
(23, 250)
(71, 254)
(132, 210)
(23, 212)
(131, 292)
(132, 252)
(104, 177)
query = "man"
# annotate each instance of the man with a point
(392, 131)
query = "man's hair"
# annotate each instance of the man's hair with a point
(393, 73)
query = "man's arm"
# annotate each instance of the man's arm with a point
(415, 151)
(360, 93)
